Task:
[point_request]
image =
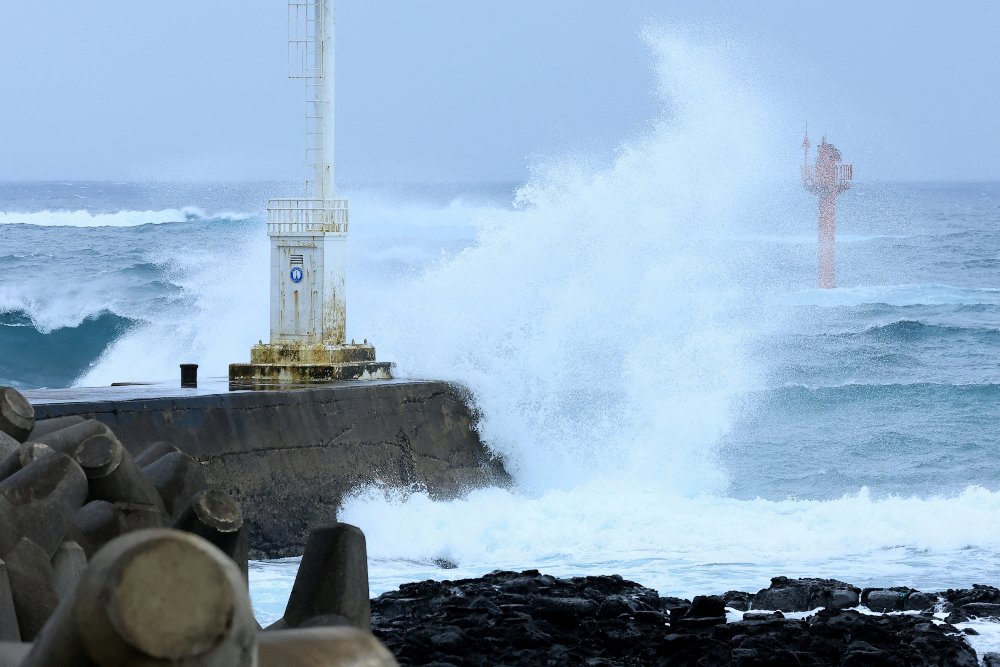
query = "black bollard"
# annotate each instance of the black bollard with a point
(156, 598)
(189, 375)
(331, 586)
(17, 417)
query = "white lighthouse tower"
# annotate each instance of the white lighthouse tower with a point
(309, 237)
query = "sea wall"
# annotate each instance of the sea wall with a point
(290, 456)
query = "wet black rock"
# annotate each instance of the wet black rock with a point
(738, 600)
(978, 593)
(786, 594)
(897, 599)
(529, 618)
(980, 601)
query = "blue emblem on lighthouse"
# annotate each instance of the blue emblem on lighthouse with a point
(296, 275)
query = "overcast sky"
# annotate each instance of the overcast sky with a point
(472, 90)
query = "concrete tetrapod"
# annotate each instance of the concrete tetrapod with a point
(39, 502)
(46, 426)
(323, 647)
(26, 453)
(33, 587)
(113, 476)
(97, 523)
(17, 417)
(154, 452)
(215, 516)
(11, 462)
(12, 654)
(30, 452)
(177, 477)
(8, 616)
(8, 445)
(331, 586)
(68, 566)
(67, 439)
(152, 597)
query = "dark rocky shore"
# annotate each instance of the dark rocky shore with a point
(528, 618)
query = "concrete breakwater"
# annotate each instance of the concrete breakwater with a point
(290, 456)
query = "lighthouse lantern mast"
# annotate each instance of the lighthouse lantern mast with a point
(827, 179)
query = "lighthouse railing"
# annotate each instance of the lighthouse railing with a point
(845, 173)
(307, 216)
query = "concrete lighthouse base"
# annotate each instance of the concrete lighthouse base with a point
(302, 363)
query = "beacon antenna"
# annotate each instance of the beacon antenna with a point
(827, 179)
(308, 238)
(311, 57)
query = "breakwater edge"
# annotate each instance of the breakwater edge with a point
(290, 457)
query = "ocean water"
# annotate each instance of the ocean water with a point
(642, 334)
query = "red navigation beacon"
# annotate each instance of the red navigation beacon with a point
(827, 179)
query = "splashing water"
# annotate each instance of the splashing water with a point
(605, 328)
(598, 325)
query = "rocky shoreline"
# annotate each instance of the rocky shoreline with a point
(529, 618)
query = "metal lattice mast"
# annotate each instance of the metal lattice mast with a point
(827, 179)
(311, 51)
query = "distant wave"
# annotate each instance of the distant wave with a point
(55, 358)
(913, 330)
(83, 218)
(930, 294)
(901, 390)
(807, 239)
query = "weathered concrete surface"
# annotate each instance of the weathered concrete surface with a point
(290, 456)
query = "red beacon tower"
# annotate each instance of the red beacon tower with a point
(827, 180)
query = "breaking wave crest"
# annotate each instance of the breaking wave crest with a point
(53, 358)
(84, 218)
